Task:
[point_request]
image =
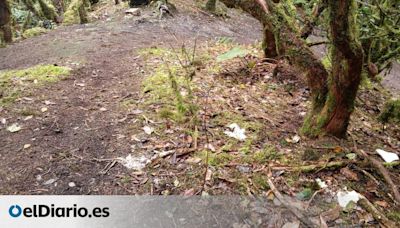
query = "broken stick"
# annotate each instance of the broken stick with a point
(303, 218)
(384, 173)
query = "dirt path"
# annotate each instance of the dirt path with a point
(86, 122)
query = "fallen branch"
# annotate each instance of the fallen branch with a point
(317, 43)
(378, 216)
(302, 217)
(378, 165)
(329, 166)
(313, 167)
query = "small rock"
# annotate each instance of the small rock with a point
(49, 103)
(137, 111)
(28, 118)
(291, 225)
(302, 113)
(133, 11)
(26, 146)
(71, 184)
(51, 181)
(193, 160)
(296, 139)
(148, 130)
(243, 169)
(14, 128)
(44, 109)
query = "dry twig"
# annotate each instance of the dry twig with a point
(302, 217)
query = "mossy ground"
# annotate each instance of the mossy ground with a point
(16, 83)
(34, 32)
(270, 114)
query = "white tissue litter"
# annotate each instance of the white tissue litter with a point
(135, 163)
(387, 156)
(345, 197)
(321, 184)
(237, 132)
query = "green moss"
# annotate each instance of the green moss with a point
(76, 13)
(326, 61)
(394, 215)
(391, 112)
(48, 9)
(246, 148)
(269, 153)
(366, 82)
(154, 52)
(216, 159)
(171, 114)
(260, 182)
(15, 83)
(34, 32)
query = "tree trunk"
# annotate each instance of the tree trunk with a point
(333, 99)
(288, 43)
(347, 62)
(5, 18)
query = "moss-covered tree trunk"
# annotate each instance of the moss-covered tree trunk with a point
(332, 95)
(287, 42)
(347, 62)
(5, 18)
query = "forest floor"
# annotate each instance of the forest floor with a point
(116, 110)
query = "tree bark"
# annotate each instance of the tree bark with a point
(5, 18)
(332, 95)
(347, 63)
(288, 43)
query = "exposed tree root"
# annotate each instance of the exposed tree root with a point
(378, 216)
(378, 165)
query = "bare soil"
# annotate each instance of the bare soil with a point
(86, 122)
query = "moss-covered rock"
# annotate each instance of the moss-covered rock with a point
(34, 32)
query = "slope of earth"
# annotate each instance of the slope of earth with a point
(70, 126)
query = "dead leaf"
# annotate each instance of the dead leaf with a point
(189, 192)
(332, 214)
(349, 174)
(383, 204)
(338, 149)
